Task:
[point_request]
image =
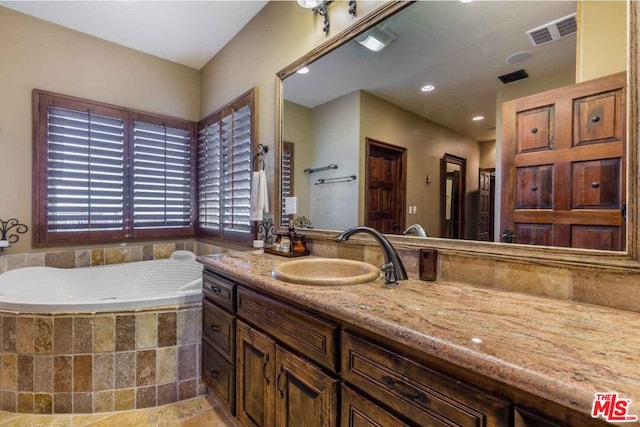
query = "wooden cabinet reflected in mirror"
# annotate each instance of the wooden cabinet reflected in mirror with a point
(453, 176)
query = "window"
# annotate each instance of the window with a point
(225, 146)
(107, 174)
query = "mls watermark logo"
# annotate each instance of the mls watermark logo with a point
(612, 408)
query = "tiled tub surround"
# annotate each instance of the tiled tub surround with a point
(99, 362)
(103, 256)
(560, 351)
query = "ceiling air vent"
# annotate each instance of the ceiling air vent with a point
(512, 77)
(553, 31)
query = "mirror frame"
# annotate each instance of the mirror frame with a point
(494, 251)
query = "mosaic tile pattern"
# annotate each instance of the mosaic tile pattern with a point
(73, 363)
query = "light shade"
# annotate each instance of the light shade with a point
(310, 4)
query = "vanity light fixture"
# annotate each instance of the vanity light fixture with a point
(376, 39)
(427, 88)
(303, 70)
(320, 7)
(477, 118)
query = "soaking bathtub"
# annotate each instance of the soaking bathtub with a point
(101, 339)
(176, 280)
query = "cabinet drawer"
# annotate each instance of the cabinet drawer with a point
(219, 289)
(218, 327)
(426, 397)
(309, 335)
(219, 375)
(358, 411)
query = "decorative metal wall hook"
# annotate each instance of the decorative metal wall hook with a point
(321, 10)
(262, 150)
(9, 231)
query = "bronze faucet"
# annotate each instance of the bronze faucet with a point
(393, 268)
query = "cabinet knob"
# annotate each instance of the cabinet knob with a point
(214, 328)
(534, 130)
(534, 187)
(595, 119)
(216, 290)
(214, 374)
(595, 184)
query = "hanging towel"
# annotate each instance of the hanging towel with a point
(259, 196)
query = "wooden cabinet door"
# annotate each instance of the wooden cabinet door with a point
(358, 411)
(255, 367)
(305, 395)
(563, 166)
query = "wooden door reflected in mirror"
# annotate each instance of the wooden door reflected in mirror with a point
(453, 175)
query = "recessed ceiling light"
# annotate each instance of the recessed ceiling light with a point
(303, 70)
(376, 39)
(466, 1)
(427, 88)
(477, 118)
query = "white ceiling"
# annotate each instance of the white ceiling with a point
(187, 32)
(458, 47)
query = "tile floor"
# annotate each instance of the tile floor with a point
(196, 412)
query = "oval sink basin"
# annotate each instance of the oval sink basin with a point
(326, 272)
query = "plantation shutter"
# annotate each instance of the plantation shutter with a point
(236, 171)
(225, 145)
(287, 177)
(161, 176)
(209, 168)
(85, 171)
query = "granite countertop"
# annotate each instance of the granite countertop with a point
(559, 350)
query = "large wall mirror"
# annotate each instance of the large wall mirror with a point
(430, 80)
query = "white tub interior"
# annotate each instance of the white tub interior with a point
(175, 280)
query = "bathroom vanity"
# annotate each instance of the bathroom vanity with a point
(422, 353)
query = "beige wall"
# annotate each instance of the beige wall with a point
(281, 33)
(602, 39)
(426, 143)
(36, 54)
(297, 130)
(487, 154)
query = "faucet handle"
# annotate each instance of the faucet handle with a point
(389, 274)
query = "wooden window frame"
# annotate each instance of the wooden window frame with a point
(247, 98)
(42, 237)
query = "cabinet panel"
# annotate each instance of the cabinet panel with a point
(596, 237)
(598, 118)
(306, 396)
(358, 411)
(309, 335)
(535, 129)
(534, 234)
(425, 396)
(219, 375)
(218, 327)
(255, 377)
(596, 184)
(534, 187)
(220, 290)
